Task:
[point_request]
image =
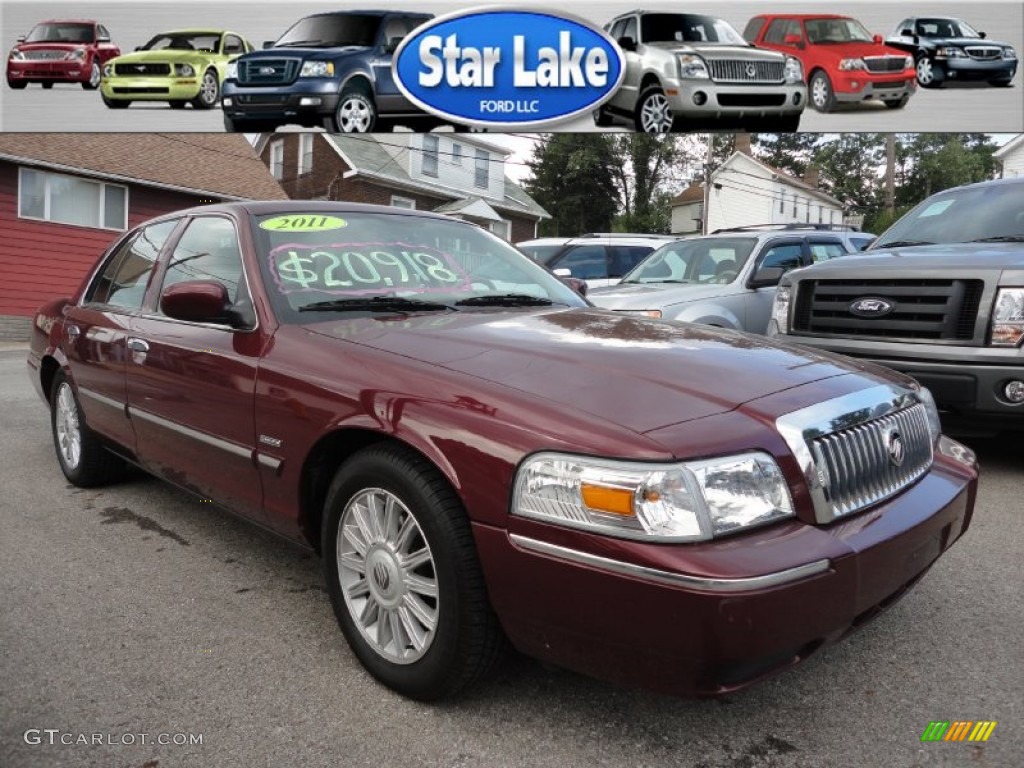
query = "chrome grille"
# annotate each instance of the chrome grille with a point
(984, 53)
(44, 55)
(267, 71)
(885, 63)
(739, 71)
(141, 69)
(856, 465)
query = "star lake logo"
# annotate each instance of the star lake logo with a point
(871, 307)
(958, 730)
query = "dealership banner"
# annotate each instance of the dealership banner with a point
(583, 66)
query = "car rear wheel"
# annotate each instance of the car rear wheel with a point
(83, 459)
(653, 112)
(249, 126)
(94, 78)
(47, 86)
(178, 104)
(823, 97)
(356, 113)
(929, 74)
(209, 91)
(602, 117)
(403, 575)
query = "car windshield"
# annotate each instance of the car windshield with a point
(61, 33)
(184, 41)
(687, 28)
(985, 212)
(364, 261)
(835, 31)
(697, 260)
(333, 30)
(945, 28)
(540, 253)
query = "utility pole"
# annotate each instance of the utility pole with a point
(890, 173)
(708, 161)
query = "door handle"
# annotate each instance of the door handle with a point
(137, 345)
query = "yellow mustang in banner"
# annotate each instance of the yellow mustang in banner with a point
(183, 67)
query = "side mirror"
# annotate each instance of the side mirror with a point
(139, 48)
(765, 277)
(796, 40)
(877, 39)
(983, 35)
(197, 301)
(562, 272)
(391, 45)
(21, 38)
(627, 43)
(268, 44)
(907, 33)
(103, 39)
(580, 286)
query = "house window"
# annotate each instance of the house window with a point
(305, 153)
(277, 160)
(71, 200)
(403, 202)
(481, 177)
(430, 146)
(500, 228)
(456, 153)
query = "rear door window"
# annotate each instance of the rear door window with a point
(584, 262)
(823, 250)
(123, 281)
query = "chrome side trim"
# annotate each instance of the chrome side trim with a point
(228, 447)
(108, 401)
(666, 577)
(270, 462)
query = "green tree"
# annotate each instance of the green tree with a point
(571, 176)
(647, 169)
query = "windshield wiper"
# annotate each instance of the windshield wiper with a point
(293, 43)
(1000, 239)
(901, 244)
(505, 300)
(375, 304)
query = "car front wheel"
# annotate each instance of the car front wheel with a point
(823, 97)
(83, 459)
(115, 103)
(929, 74)
(209, 91)
(356, 113)
(653, 112)
(403, 575)
(17, 84)
(94, 78)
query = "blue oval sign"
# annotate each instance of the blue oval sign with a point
(507, 68)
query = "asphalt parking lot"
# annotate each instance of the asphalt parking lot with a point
(137, 609)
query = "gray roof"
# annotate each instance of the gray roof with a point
(370, 159)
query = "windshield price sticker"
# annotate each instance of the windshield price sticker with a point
(365, 268)
(305, 222)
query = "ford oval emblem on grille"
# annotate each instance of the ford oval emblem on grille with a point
(871, 307)
(266, 70)
(897, 450)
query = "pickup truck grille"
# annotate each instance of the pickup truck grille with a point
(142, 69)
(984, 52)
(738, 71)
(859, 466)
(885, 63)
(923, 309)
(268, 71)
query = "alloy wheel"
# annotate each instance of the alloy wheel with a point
(819, 93)
(209, 89)
(69, 432)
(354, 115)
(655, 114)
(925, 71)
(95, 76)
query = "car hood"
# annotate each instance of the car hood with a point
(965, 41)
(857, 50)
(979, 256)
(45, 46)
(638, 373)
(164, 55)
(655, 295)
(307, 53)
(720, 51)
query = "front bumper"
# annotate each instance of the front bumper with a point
(150, 88)
(306, 100)
(972, 69)
(681, 619)
(706, 98)
(859, 85)
(60, 71)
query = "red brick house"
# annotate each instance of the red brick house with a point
(458, 174)
(64, 197)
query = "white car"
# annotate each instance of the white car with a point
(602, 258)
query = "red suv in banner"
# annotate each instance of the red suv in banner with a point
(61, 52)
(843, 62)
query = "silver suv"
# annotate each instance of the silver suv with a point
(685, 66)
(601, 258)
(726, 279)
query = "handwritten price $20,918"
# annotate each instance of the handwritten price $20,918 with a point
(351, 268)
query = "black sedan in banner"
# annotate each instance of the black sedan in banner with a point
(947, 49)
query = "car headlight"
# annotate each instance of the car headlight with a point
(1009, 53)
(232, 72)
(932, 411)
(949, 52)
(847, 65)
(108, 70)
(16, 55)
(794, 70)
(780, 307)
(76, 54)
(1008, 318)
(692, 66)
(317, 69)
(689, 501)
(908, 62)
(183, 70)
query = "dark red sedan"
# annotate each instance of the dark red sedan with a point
(55, 51)
(478, 455)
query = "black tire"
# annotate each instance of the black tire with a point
(1001, 83)
(466, 640)
(177, 104)
(95, 465)
(356, 112)
(47, 85)
(929, 74)
(115, 103)
(822, 95)
(17, 86)
(209, 91)
(779, 124)
(899, 103)
(602, 117)
(653, 113)
(94, 78)
(249, 126)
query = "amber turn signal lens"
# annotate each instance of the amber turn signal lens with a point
(616, 501)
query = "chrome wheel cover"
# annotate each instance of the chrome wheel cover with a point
(925, 71)
(69, 433)
(387, 576)
(354, 115)
(95, 75)
(655, 114)
(208, 90)
(819, 92)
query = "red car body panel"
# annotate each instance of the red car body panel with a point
(59, 70)
(244, 418)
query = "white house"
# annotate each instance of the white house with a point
(745, 192)
(1010, 157)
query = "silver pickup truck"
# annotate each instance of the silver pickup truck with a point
(685, 66)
